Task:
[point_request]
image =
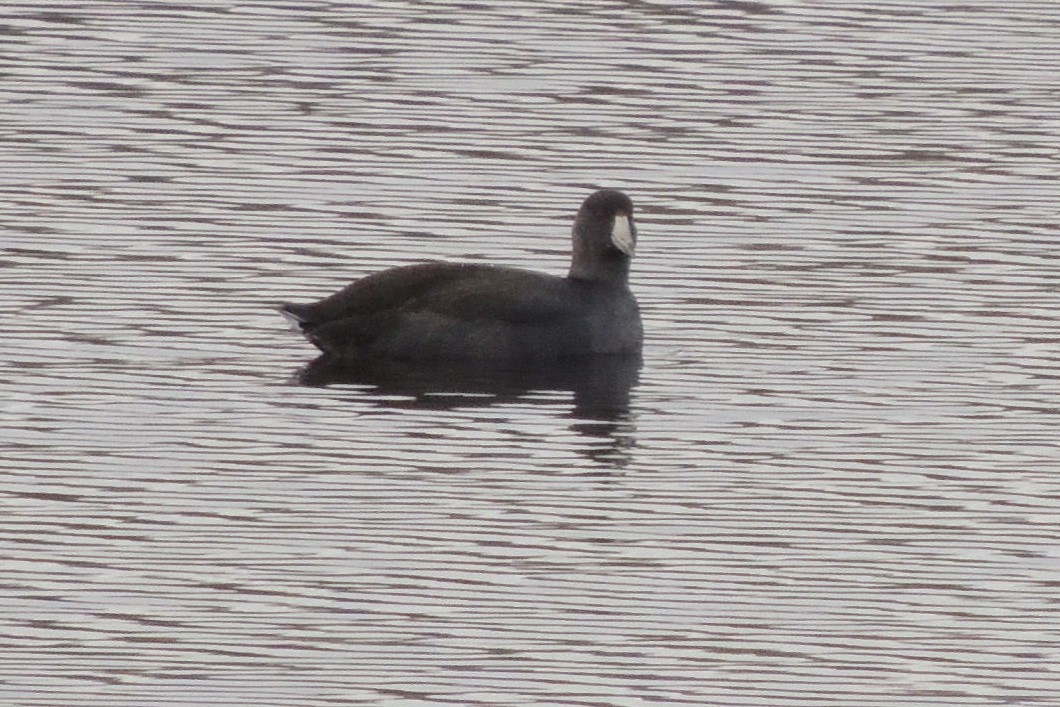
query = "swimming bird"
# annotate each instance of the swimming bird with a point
(456, 311)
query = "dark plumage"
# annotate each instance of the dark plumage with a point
(463, 311)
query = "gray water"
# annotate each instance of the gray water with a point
(834, 480)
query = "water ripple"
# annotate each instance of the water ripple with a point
(832, 481)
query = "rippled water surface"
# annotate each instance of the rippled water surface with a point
(833, 481)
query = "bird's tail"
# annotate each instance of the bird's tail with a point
(296, 315)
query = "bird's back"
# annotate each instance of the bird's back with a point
(445, 310)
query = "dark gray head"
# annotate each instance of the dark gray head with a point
(604, 237)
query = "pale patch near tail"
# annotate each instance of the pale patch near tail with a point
(292, 317)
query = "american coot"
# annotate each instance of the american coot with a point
(453, 311)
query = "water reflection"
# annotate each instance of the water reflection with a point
(601, 386)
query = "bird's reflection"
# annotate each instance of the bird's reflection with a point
(601, 386)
